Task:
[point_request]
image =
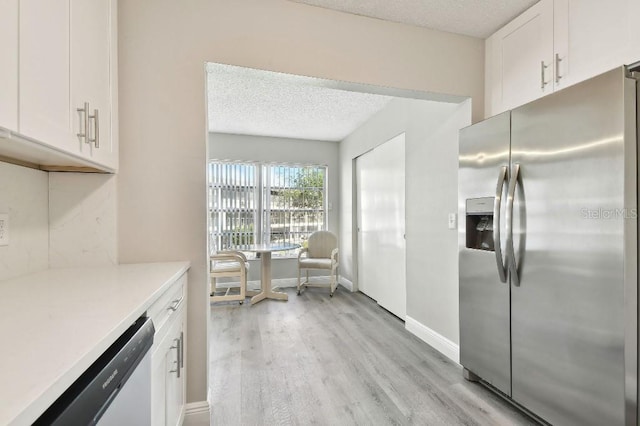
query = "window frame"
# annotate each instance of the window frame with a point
(262, 214)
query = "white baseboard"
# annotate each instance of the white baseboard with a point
(433, 339)
(289, 282)
(281, 282)
(345, 283)
(197, 414)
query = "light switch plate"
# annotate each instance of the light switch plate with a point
(452, 220)
(4, 229)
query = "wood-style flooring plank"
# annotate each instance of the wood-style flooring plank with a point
(316, 360)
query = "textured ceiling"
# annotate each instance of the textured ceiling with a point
(253, 102)
(476, 18)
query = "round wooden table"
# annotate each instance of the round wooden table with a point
(265, 250)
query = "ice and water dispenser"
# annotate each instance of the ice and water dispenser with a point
(479, 223)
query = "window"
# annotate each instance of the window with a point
(252, 203)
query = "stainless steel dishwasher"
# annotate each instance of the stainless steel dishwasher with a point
(115, 389)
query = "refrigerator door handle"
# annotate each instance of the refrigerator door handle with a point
(511, 252)
(502, 268)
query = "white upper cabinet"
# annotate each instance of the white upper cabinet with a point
(90, 79)
(44, 72)
(591, 37)
(61, 57)
(9, 68)
(519, 60)
(555, 44)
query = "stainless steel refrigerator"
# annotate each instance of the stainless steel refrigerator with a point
(548, 253)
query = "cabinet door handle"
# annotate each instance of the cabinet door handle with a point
(175, 305)
(182, 349)
(85, 120)
(542, 80)
(96, 128)
(179, 357)
(558, 76)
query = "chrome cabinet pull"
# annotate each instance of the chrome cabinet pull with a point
(85, 120)
(502, 269)
(175, 304)
(542, 79)
(511, 252)
(96, 128)
(558, 60)
(182, 349)
(178, 361)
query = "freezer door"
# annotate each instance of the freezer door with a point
(484, 299)
(570, 209)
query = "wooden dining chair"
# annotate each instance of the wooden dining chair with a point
(228, 264)
(321, 253)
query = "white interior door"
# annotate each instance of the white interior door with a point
(366, 211)
(380, 181)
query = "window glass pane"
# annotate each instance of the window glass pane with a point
(251, 203)
(296, 204)
(232, 204)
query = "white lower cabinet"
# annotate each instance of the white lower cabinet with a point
(168, 363)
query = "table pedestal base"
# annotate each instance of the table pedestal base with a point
(265, 282)
(269, 295)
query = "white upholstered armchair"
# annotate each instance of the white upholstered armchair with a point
(228, 264)
(321, 253)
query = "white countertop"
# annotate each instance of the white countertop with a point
(54, 324)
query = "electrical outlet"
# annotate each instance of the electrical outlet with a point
(4, 229)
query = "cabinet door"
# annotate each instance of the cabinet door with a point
(167, 384)
(9, 68)
(44, 72)
(90, 76)
(521, 58)
(591, 37)
(174, 401)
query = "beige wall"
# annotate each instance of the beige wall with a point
(163, 45)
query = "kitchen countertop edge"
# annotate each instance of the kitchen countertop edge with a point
(28, 412)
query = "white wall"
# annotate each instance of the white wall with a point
(432, 248)
(163, 45)
(24, 195)
(431, 193)
(224, 146)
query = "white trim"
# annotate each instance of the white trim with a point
(282, 282)
(197, 414)
(254, 285)
(278, 282)
(346, 283)
(433, 339)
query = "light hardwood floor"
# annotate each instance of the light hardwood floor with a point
(336, 361)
